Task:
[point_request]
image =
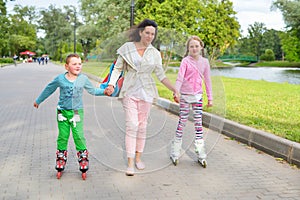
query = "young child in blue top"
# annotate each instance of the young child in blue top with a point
(70, 110)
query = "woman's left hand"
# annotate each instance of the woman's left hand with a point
(210, 103)
(176, 97)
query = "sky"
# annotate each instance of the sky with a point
(248, 11)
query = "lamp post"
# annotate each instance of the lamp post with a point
(85, 45)
(132, 13)
(75, 22)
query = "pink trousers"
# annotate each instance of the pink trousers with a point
(136, 116)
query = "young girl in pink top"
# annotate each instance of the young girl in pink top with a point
(194, 69)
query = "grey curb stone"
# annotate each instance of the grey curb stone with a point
(264, 141)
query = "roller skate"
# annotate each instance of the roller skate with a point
(83, 162)
(61, 160)
(200, 151)
(175, 150)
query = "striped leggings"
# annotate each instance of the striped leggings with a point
(183, 117)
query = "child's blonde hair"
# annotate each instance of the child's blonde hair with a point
(194, 37)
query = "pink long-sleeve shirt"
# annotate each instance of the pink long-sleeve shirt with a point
(191, 75)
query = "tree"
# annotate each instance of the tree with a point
(291, 46)
(58, 30)
(4, 31)
(268, 55)
(104, 20)
(271, 40)
(23, 32)
(290, 11)
(211, 20)
(290, 41)
(256, 32)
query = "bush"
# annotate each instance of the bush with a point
(6, 60)
(268, 55)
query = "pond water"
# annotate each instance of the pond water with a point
(271, 74)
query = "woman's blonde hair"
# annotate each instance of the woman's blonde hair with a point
(194, 37)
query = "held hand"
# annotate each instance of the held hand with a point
(176, 97)
(35, 105)
(109, 90)
(209, 104)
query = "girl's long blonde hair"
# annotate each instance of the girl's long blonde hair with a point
(194, 37)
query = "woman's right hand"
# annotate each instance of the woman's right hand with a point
(109, 90)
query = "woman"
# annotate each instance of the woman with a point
(139, 59)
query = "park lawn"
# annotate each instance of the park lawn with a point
(99, 69)
(277, 64)
(267, 106)
(272, 107)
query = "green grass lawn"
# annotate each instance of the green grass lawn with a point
(271, 107)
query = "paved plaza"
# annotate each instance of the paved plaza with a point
(28, 145)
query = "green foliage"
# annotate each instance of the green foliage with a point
(256, 32)
(17, 31)
(98, 21)
(290, 39)
(213, 21)
(290, 11)
(105, 18)
(271, 40)
(268, 55)
(57, 26)
(291, 46)
(6, 60)
(258, 41)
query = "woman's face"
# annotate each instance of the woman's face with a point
(147, 35)
(194, 48)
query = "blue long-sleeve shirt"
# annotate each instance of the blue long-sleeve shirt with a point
(70, 97)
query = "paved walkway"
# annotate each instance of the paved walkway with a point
(28, 145)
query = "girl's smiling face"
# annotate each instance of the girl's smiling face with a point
(194, 48)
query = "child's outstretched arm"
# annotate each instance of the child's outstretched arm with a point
(97, 91)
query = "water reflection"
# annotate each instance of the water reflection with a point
(271, 74)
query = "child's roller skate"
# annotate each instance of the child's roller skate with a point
(61, 160)
(200, 151)
(175, 150)
(83, 162)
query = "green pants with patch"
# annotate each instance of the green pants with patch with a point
(68, 120)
